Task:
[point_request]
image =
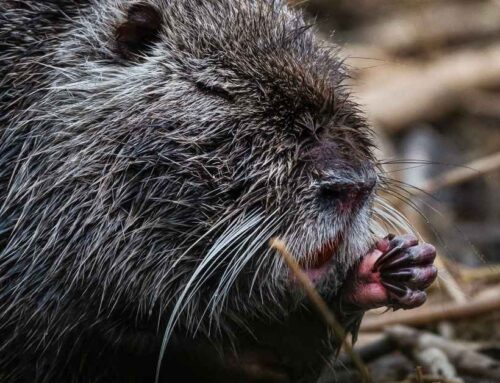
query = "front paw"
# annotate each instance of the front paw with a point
(406, 269)
(394, 274)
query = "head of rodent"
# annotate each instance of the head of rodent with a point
(176, 138)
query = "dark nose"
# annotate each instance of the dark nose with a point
(347, 194)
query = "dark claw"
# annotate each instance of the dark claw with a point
(418, 278)
(399, 291)
(413, 299)
(387, 255)
(396, 244)
(417, 255)
(398, 276)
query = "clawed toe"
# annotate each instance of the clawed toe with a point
(395, 289)
(404, 297)
(416, 255)
(415, 277)
(411, 300)
(396, 245)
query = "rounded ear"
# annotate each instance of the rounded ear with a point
(140, 31)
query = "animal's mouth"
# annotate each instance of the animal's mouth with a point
(317, 264)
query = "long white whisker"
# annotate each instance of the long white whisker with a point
(223, 241)
(235, 268)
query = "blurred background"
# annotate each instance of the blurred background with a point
(427, 74)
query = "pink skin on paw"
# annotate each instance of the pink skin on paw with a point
(395, 273)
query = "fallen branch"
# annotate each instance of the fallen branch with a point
(483, 304)
(435, 361)
(485, 273)
(460, 355)
(395, 97)
(432, 26)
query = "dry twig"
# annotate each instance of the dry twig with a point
(320, 305)
(483, 274)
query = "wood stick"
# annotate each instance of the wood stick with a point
(484, 304)
(448, 281)
(320, 305)
(485, 273)
(397, 96)
(437, 24)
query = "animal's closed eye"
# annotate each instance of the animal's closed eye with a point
(214, 90)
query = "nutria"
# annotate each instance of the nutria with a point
(149, 151)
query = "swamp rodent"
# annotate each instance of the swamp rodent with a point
(149, 151)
